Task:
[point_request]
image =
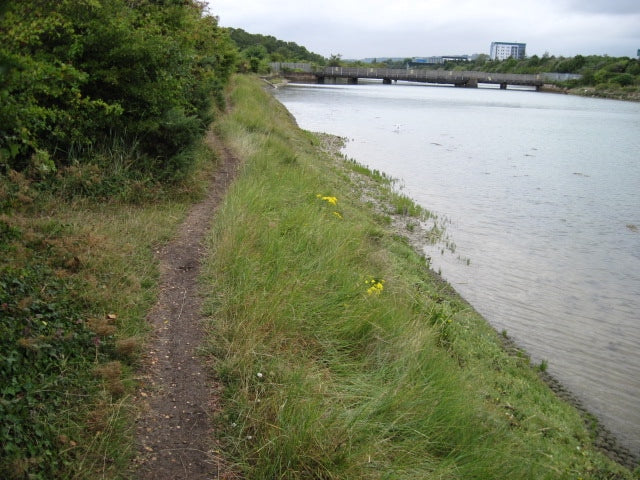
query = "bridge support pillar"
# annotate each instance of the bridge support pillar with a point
(352, 80)
(503, 86)
(386, 81)
(320, 80)
(472, 83)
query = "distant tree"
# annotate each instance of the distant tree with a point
(624, 79)
(634, 68)
(276, 50)
(335, 60)
(257, 58)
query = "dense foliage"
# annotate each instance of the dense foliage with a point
(259, 50)
(81, 78)
(101, 98)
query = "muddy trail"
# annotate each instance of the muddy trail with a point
(175, 437)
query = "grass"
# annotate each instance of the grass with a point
(324, 378)
(77, 277)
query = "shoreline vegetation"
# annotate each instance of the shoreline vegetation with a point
(341, 354)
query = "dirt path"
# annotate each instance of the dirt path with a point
(174, 434)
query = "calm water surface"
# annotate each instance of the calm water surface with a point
(542, 193)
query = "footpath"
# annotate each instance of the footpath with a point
(174, 435)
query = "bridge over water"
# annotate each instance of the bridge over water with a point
(450, 77)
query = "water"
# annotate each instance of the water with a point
(542, 192)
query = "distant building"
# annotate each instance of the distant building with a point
(504, 50)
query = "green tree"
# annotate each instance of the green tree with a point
(276, 50)
(624, 79)
(257, 56)
(335, 60)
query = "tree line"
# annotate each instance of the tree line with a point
(595, 69)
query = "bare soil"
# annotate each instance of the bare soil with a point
(175, 437)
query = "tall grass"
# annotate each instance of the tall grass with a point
(325, 377)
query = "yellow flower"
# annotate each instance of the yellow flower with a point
(337, 214)
(376, 286)
(331, 200)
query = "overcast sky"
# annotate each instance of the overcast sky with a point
(404, 28)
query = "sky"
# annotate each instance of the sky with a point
(358, 29)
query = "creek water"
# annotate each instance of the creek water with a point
(541, 193)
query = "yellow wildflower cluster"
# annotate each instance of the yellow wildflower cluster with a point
(331, 200)
(375, 286)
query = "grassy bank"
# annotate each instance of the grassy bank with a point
(77, 277)
(341, 354)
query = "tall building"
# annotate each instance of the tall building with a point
(504, 50)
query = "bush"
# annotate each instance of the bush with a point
(76, 73)
(624, 79)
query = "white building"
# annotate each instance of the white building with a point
(504, 50)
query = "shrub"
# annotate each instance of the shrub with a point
(76, 73)
(624, 79)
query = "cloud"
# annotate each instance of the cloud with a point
(377, 28)
(608, 7)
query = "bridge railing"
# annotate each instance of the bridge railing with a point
(432, 76)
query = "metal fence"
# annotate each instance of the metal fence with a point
(290, 66)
